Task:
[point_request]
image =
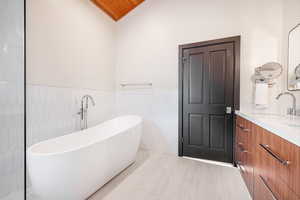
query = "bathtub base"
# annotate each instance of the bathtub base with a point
(78, 173)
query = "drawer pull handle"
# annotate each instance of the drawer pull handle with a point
(240, 126)
(240, 145)
(266, 185)
(246, 130)
(268, 149)
(243, 128)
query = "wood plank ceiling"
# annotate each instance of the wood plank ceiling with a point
(117, 8)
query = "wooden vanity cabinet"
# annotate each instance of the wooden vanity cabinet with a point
(262, 191)
(244, 151)
(271, 164)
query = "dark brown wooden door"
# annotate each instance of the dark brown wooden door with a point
(207, 90)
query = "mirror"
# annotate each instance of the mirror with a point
(294, 59)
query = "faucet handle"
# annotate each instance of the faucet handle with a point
(290, 111)
(297, 112)
(81, 113)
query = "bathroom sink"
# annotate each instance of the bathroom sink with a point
(291, 121)
(293, 125)
(269, 116)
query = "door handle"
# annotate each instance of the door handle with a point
(228, 110)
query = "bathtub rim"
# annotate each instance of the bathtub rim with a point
(31, 153)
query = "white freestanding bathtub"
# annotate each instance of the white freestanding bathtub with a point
(74, 166)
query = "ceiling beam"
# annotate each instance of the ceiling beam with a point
(117, 9)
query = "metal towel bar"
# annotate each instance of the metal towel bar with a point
(135, 84)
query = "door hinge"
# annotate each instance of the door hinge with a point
(182, 140)
(184, 59)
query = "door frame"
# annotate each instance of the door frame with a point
(236, 40)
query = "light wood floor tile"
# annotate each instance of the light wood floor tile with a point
(167, 177)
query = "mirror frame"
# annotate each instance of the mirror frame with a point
(288, 59)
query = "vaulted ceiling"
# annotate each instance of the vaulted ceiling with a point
(117, 8)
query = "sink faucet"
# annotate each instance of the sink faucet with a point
(84, 110)
(293, 110)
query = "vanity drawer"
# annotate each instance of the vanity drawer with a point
(264, 192)
(278, 165)
(239, 121)
(287, 165)
(243, 124)
(240, 145)
(243, 130)
(241, 135)
(244, 151)
(241, 158)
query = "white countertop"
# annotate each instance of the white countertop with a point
(286, 127)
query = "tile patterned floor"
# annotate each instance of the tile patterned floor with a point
(165, 177)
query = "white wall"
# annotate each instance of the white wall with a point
(147, 51)
(70, 52)
(86, 49)
(70, 44)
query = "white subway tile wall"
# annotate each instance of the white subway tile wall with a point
(159, 109)
(52, 111)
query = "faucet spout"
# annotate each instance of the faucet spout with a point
(84, 109)
(294, 109)
(87, 98)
